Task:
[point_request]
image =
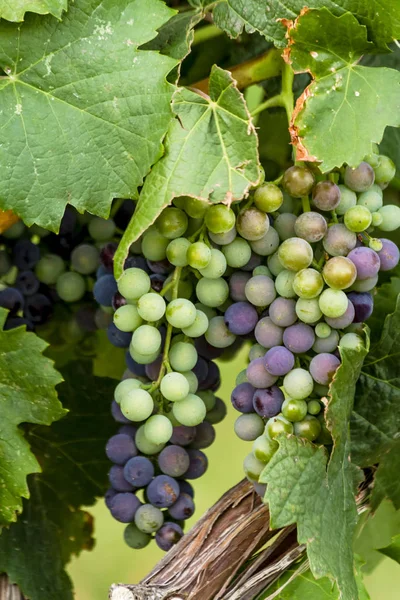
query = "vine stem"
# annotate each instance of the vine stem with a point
(206, 33)
(305, 202)
(285, 99)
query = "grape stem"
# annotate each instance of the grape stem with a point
(285, 99)
(206, 33)
(305, 202)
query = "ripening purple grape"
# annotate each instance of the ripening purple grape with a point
(344, 321)
(267, 333)
(268, 403)
(200, 369)
(299, 338)
(183, 508)
(389, 255)
(128, 430)
(366, 261)
(119, 339)
(157, 281)
(163, 491)
(326, 195)
(257, 374)
(173, 461)
(198, 464)
(279, 361)
(254, 261)
(237, 283)
(109, 496)
(117, 414)
(206, 350)
(186, 488)
(104, 290)
(38, 309)
(282, 312)
(242, 397)
(183, 435)
(205, 436)
(139, 471)
(213, 379)
(363, 305)
(160, 267)
(117, 479)
(153, 369)
(137, 262)
(120, 448)
(241, 318)
(12, 300)
(124, 506)
(168, 535)
(27, 283)
(107, 254)
(323, 367)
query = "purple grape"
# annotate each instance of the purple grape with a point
(160, 267)
(153, 369)
(257, 374)
(163, 491)
(117, 479)
(326, 195)
(107, 255)
(104, 290)
(205, 349)
(128, 430)
(218, 413)
(124, 506)
(268, 403)
(267, 333)
(134, 367)
(198, 464)
(26, 255)
(117, 414)
(27, 283)
(279, 361)
(168, 535)
(108, 497)
(254, 261)
(118, 338)
(183, 508)
(282, 312)
(344, 321)
(38, 309)
(363, 305)
(157, 281)
(241, 318)
(138, 262)
(14, 322)
(237, 283)
(12, 300)
(205, 436)
(101, 271)
(200, 369)
(117, 301)
(389, 255)
(183, 435)
(174, 461)
(186, 488)
(323, 367)
(366, 261)
(242, 397)
(139, 471)
(299, 338)
(359, 179)
(120, 448)
(213, 379)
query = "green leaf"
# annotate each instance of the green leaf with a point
(35, 550)
(386, 483)
(393, 550)
(210, 154)
(16, 9)
(362, 100)
(28, 395)
(104, 116)
(321, 500)
(175, 38)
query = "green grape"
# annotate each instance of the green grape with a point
(308, 283)
(207, 310)
(390, 217)
(148, 518)
(177, 252)
(223, 239)
(274, 264)
(308, 311)
(195, 208)
(182, 357)
(49, 268)
(333, 303)
(278, 425)
(295, 254)
(172, 223)
(358, 218)
(208, 398)
(212, 292)
(133, 284)
(71, 286)
(348, 199)
(298, 384)
(298, 181)
(322, 330)
(377, 219)
(237, 253)
(339, 272)
(266, 245)
(151, 307)
(185, 289)
(284, 284)
(242, 376)
(268, 197)
(147, 338)
(365, 285)
(216, 267)
(136, 404)
(127, 318)
(351, 341)
(309, 428)
(192, 381)
(198, 255)
(261, 270)
(294, 410)
(219, 219)
(15, 231)
(320, 390)
(249, 427)
(384, 171)
(217, 414)
(256, 351)
(142, 359)
(264, 449)
(288, 204)
(158, 429)
(324, 437)
(190, 411)
(218, 334)
(260, 290)
(181, 313)
(285, 226)
(314, 407)
(194, 227)
(136, 247)
(252, 224)
(372, 198)
(154, 245)
(143, 444)
(198, 327)
(174, 386)
(124, 388)
(253, 467)
(134, 538)
(101, 230)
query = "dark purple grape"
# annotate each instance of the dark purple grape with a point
(108, 496)
(120, 448)
(241, 318)
(363, 305)
(157, 281)
(242, 397)
(389, 255)
(279, 361)
(25, 255)
(38, 309)
(12, 300)
(268, 334)
(107, 255)
(14, 322)
(124, 214)
(128, 430)
(138, 262)
(268, 403)
(118, 338)
(326, 195)
(160, 267)
(101, 271)
(213, 379)
(118, 300)
(359, 179)
(104, 290)
(183, 508)
(117, 479)
(198, 464)
(123, 507)
(27, 283)
(163, 491)
(323, 367)
(254, 261)
(206, 350)
(257, 374)
(299, 338)
(153, 369)
(186, 488)
(282, 312)
(139, 471)
(86, 318)
(201, 369)
(174, 461)
(366, 261)
(237, 283)
(183, 435)
(117, 414)
(134, 367)
(205, 436)
(168, 536)
(345, 320)
(218, 413)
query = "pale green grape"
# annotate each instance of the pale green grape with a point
(372, 198)
(151, 307)
(216, 267)
(266, 245)
(274, 264)
(127, 318)
(219, 219)
(358, 218)
(212, 292)
(264, 448)
(207, 310)
(154, 245)
(218, 334)
(182, 357)
(158, 429)
(322, 330)
(147, 338)
(198, 327)
(333, 303)
(142, 359)
(71, 287)
(133, 283)
(298, 384)
(192, 381)
(175, 386)
(351, 341)
(172, 223)
(268, 197)
(237, 253)
(261, 270)
(143, 444)
(198, 255)
(308, 283)
(177, 252)
(308, 311)
(222, 239)
(181, 313)
(348, 198)
(124, 388)
(136, 404)
(49, 268)
(278, 425)
(253, 467)
(295, 254)
(390, 217)
(101, 230)
(191, 411)
(284, 284)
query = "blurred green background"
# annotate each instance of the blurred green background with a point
(112, 561)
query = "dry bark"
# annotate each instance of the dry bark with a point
(9, 591)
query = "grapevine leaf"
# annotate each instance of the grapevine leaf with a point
(28, 395)
(175, 37)
(393, 550)
(35, 550)
(362, 100)
(16, 9)
(390, 146)
(321, 500)
(386, 483)
(210, 154)
(86, 79)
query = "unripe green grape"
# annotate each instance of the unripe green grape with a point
(373, 158)
(314, 407)
(158, 429)
(352, 341)
(185, 289)
(207, 310)
(309, 428)
(147, 338)
(223, 239)
(217, 414)
(365, 285)
(133, 284)
(192, 381)
(261, 270)
(177, 252)
(322, 330)
(174, 386)
(127, 318)
(252, 224)
(181, 313)
(142, 359)
(285, 225)
(71, 286)
(101, 230)
(151, 306)
(348, 198)
(15, 231)
(377, 219)
(339, 272)
(358, 218)
(298, 181)
(295, 254)
(137, 405)
(256, 351)
(298, 384)
(144, 445)
(274, 264)
(284, 284)
(182, 357)
(264, 448)
(253, 467)
(241, 377)
(208, 398)
(249, 427)
(320, 390)
(372, 198)
(198, 255)
(190, 411)
(278, 425)
(193, 227)
(237, 253)
(154, 245)
(390, 217)
(172, 223)
(266, 245)
(218, 334)
(294, 410)
(134, 538)
(288, 204)
(195, 208)
(212, 292)
(219, 218)
(308, 283)
(216, 267)
(308, 311)
(384, 171)
(268, 197)
(198, 327)
(124, 388)
(333, 303)
(49, 268)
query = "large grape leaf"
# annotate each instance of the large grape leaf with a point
(27, 395)
(14, 10)
(176, 36)
(362, 100)
(35, 550)
(304, 488)
(83, 109)
(210, 154)
(386, 482)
